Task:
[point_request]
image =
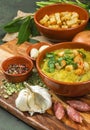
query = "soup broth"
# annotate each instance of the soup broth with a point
(67, 65)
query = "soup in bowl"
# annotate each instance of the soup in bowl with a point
(65, 68)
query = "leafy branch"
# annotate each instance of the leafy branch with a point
(24, 31)
(25, 27)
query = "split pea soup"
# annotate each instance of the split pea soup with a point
(67, 65)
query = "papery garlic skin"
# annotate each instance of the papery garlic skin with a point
(42, 99)
(33, 99)
(21, 101)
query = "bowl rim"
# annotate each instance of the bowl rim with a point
(63, 29)
(53, 80)
(17, 75)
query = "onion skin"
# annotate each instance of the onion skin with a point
(83, 37)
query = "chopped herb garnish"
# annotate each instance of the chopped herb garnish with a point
(83, 55)
(56, 61)
(60, 59)
(50, 55)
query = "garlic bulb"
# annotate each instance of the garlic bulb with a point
(38, 99)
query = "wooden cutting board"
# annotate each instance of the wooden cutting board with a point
(45, 121)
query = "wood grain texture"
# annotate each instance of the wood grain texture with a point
(45, 121)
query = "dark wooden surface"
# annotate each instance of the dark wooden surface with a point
(45, 121)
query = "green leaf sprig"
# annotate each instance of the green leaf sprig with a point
(24, 31)
(25, 27)
(13, 26)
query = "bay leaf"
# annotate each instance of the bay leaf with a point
(24, 31)
(13, 26)
(33, 28)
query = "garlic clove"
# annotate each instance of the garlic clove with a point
(43, 47)
(42, 97)
(21, 101)
(34, 107)
(34, 53)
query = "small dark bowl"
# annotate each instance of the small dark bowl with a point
(61, 34)
(37, 46)
(64, 88)
(15, 78)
